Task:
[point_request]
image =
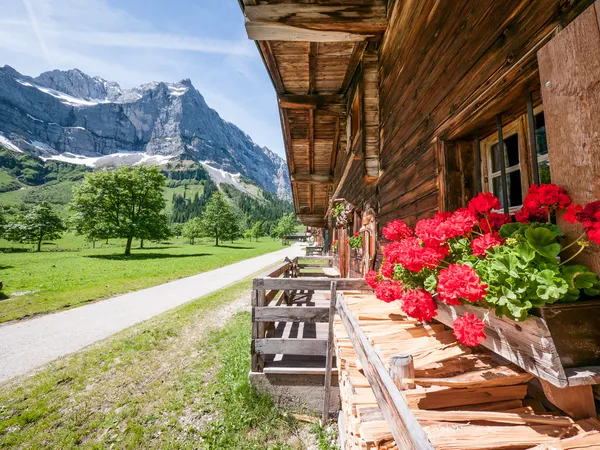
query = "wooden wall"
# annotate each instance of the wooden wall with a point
(440, 65)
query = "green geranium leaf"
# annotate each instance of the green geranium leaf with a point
(508, 229)
(430, 284)
(543, 241)
(526, 252)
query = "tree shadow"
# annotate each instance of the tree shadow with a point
(236, 247)
(2, 267)
(14, 250)
(155, 247)
(144, 256)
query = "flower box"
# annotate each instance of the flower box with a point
(561, 346)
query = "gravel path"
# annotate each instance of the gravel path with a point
(31, 343)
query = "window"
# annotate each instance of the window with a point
(542, 148)
(513, 171)
(518, 160)
(514, 154)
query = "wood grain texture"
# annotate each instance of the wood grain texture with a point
(527, 344)
(275, 346)
(308, 314)
(403, 425)
(569, 73)
(315, 23)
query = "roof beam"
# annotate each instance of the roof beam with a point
(312, 178)
(271, 63)
(355, 58)
(313, 220)
(316, 23)
(312, 101)
(311, 140)
(312, 67)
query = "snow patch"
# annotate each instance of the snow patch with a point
(34, 118)
(115, 159)
(64, 98)
(221, 176)
(5, 142)
(177, 91)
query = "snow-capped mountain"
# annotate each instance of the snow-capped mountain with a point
(70, 116)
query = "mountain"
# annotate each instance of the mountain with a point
(71, 117)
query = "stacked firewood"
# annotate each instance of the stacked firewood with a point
(463, 398)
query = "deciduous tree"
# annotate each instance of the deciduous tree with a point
(192, 229)
(39, 224)
(217, 217)
(128, 201)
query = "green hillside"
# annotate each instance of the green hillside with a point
(27, 180)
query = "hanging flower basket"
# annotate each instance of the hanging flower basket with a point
(502, 284)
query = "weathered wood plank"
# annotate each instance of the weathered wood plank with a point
(404, 426)
(315, 23)
(569, 73)
(308, 314)
(329, 353)
(528, 344)
(276, 346)
(583, 375)
(313, 283)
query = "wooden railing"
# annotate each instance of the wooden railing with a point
(272, 296)
(402, 422)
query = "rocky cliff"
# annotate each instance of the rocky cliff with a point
(70, 116)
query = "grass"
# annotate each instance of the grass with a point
(71, 275)
(175, 381)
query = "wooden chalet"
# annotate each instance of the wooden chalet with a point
(395, 109)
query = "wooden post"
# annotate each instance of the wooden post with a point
(261, 328)
(402, 371)
(255, 336)
(329, 355)
(576, 401)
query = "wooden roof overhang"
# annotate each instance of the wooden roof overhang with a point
(311, 51)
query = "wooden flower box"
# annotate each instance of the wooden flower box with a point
(560, 345)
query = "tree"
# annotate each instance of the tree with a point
(155, 229)
(285, 226)
(217, 218)
(35, 226)
(176, 229)
(233, 230)
(258, 230)
(192, 229)
(128, 202)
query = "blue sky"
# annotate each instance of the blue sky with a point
(137, 41)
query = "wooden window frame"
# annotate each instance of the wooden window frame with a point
(519, 126)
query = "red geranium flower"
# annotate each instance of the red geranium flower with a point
(387, 269)
(484, 203)
(469, 330)
(411, 255)
(388, 291)
(372, 278)
(431, 231)
(573, 212)
(397, 230)
(482, 243)
(594, 235)
(494, 221)
(460, 223)
(419, 305)
(460, 282)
